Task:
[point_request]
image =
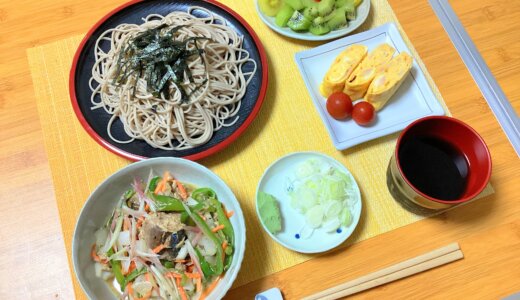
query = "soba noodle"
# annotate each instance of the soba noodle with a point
(170, 123)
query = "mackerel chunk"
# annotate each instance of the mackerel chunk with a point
(164, 229)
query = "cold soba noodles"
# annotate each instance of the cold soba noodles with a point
(172, 81)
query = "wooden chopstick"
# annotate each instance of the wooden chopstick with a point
(400, 270)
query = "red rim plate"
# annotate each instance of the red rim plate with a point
(105, 144)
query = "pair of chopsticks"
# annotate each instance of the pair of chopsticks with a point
(400, 270)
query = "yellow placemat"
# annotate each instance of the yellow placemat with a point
(287, 122)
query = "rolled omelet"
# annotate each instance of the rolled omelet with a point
(341, 69)
(358, 82)
(387, 81)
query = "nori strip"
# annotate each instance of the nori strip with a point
(162, 60)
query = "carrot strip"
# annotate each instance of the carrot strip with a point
(173, 275)
(182, 190)
(94, 255)
(140, 221)
(219, 227)
(193, 275)
(203, 218)
(224, 245)
(199, 284)
(158, 248)
(159, 188)
(130, 268)
(210, 288)
(147, 207)
(181, 289)
(229, 214)
(130, 289)
(162, 185)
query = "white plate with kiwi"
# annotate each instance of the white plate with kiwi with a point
(308, 202)
(313, 20)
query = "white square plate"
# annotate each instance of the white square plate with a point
(413, 100)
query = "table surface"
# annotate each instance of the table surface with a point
(33, 256)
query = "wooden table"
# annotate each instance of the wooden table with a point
(33, 259)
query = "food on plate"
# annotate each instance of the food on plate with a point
(173, 80)
(269, 210)
(386, 82)
(270, 7)
(363, 113)
(165, 240)
(358, 82)
(341, 68)
(376, 76)
(284, 15)
(339, 105)
(323, 194)
(316, 17)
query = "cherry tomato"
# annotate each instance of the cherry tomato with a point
(363, 113)
(339, 106)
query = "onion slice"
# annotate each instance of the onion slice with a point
(134, 213)
(142, 196)
(194, 258)
(115, 234)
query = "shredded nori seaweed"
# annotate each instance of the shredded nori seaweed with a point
(161, 59)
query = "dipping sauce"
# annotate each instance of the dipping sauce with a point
(434, 167)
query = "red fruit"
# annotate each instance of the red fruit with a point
(339, 106)
(363, 113)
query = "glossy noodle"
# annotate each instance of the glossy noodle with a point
(191, 107)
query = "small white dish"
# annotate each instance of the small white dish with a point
(274, 181)
(362, 13)
(413, 100)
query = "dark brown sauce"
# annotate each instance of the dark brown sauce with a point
(434, 167)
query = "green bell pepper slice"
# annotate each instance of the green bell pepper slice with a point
(202, 194)
(116, 269)
(167, 203)
(204, 264)
(153, 183)
(129, 194)
(134, 274)
(218, 268)
(223, 220)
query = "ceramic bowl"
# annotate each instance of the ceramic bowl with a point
(100, 204)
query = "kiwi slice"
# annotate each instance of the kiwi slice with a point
(295, 4)
(341, 3)
(325, 7)
(270, 7)
(283, 16)
(310, 12)
(319, 20)
(310, 3)
(319, 29)
(298, 22)
(350, 10)
(337, 19)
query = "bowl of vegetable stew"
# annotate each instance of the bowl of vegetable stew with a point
(163, 228)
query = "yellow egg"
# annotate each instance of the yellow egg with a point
(387, 81)
(341, 69)
(358, 82)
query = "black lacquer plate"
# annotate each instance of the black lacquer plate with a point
(95, 121)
